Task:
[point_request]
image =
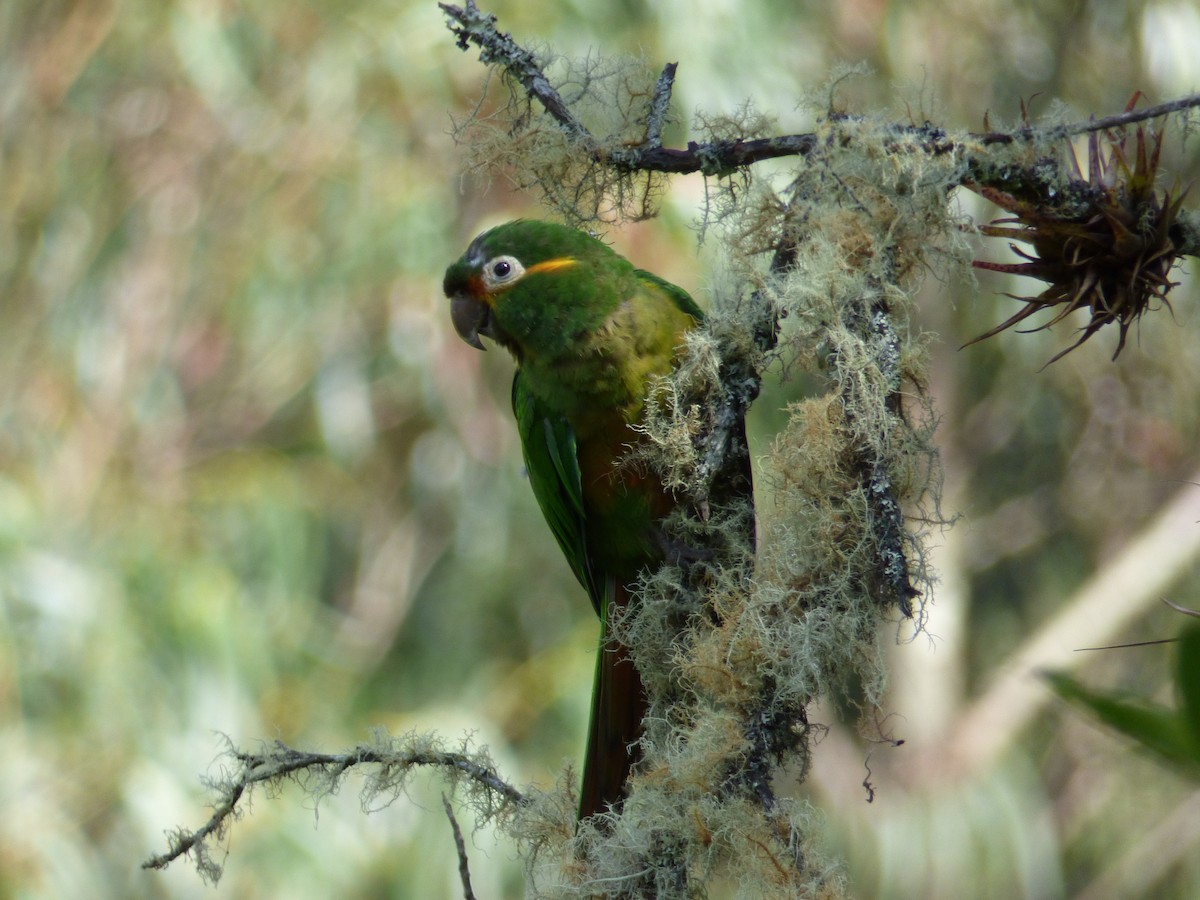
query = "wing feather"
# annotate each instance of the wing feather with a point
(548, 445)
(681, 298)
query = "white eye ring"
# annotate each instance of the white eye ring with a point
(500, 271)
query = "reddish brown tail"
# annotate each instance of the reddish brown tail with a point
(618, 707)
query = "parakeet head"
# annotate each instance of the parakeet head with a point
(534, 287)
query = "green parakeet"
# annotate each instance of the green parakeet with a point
(588, 331)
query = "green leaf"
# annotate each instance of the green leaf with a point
(1187, 679)
(1163, 731)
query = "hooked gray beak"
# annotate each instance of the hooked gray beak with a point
(471, 319)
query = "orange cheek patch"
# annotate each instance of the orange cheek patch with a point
(476, 288)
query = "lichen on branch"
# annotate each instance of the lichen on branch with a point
(386, 764)
(758, 612)
(736, 640)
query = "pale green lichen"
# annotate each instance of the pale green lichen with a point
(523, 144)
(735, 641)
(733, 657)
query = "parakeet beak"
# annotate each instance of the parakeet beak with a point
(471, 319)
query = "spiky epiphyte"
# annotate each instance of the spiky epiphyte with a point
(1107, 247)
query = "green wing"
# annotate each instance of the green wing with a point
(618, 698)
(548, 445)
(678, 295)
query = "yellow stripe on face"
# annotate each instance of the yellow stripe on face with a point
(552, 265)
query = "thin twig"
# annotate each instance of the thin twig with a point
(1182, 609)
(1118, 120)
(660, 105)
(471, 26)
(464, 865)
(184, 842)
(283, 762)
(498, 48)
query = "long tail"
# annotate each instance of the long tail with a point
(618, 707)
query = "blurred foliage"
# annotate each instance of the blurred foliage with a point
(1172, 734)
(251, 484)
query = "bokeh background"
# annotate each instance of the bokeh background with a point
(252, 485)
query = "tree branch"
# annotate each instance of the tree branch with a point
(726, 156)
(1118, 120)
(464, 866)
(497, 48)
(282, 762)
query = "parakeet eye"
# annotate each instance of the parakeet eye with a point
(501, 271)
